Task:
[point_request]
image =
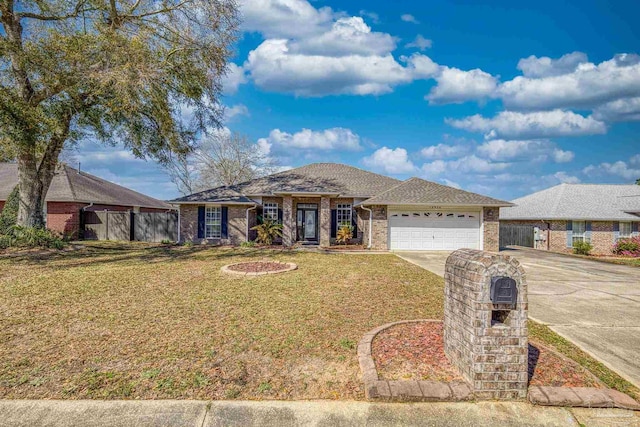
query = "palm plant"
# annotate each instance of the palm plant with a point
(344, 234)
(267, 231)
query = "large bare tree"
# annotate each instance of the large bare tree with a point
(222, 158)
(115, 70)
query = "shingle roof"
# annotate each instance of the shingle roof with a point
(578, 201)
(329, 178)
(418, 191)
(69, 185)
(225, 194)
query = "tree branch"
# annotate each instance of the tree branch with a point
(76, 12)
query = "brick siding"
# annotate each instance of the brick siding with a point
(491, 355)
(64, 217)
(491, 234)
(236, 225)
(602, 235)
(1, 206)
(380, 228)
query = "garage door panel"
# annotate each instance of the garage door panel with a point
(430, 231)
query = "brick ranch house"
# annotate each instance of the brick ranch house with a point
(313, 201)
(73, 191)
(598, 213)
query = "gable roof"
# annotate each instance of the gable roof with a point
(70, 185)
(578, 201)
(416, 191)
(319, 178)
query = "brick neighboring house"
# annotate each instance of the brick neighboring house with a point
(73, 191)
(598, 213)
(313, 201)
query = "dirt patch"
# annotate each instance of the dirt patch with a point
(258, 267)
(415, 351)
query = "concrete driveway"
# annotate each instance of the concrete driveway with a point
(594, 304)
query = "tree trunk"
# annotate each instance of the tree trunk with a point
(34, 179)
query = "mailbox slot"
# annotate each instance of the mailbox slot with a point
(504, 290)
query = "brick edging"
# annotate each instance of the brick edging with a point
(402, 390)
(581, 397)
(290, 266)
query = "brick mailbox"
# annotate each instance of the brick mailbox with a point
(485, 322)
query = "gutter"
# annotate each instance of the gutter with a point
(370, 224)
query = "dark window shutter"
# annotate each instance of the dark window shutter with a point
(354, 224)
(569, 234)
(334, 222)
(587, 228)
(634, 227)
(224, 229)
(616, 231)
(200, 222)
(279, 216)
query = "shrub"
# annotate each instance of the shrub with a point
(166, 242)
(582, 248)
(32, 237)
(268, 231)
(188, 244)
(628, 247)
(9, 214)
(344, 234)
(249, 244)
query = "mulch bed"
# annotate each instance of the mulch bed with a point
(346, 248)
(415, 351)
(258, 266)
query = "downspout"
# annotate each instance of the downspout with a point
(249, 209)
(370, 224)
(82, 224)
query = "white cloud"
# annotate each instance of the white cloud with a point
(284, 18)
(419, 43)
(274, 68)
(409, 18)
(619, 168)
(565, 178)
(588, 86)
(467, 164)
(392, 161)
(541, 124)
(456, 86)
(235, 111)
(561, 156)
(233, 79)
(544, 66)
(347, 36)
(373, 17)
(306, 139)
(627, 109)
(443, 151)
(524, 150)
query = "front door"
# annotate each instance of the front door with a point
(310, 225)
(307, 219)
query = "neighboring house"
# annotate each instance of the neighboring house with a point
(313, 201)
(73, 191)
(598, 213)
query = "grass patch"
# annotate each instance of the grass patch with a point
(546, 336)
(137, 321)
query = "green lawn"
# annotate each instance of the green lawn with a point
(132, 321)
(138, 322)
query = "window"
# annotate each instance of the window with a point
(579, 233)
(344, 215)
(270, 211)
(212, 222)
(626, 230)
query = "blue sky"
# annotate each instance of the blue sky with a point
(502, 100)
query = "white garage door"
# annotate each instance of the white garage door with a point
(418, 230)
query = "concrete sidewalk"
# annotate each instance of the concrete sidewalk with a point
(168, 413)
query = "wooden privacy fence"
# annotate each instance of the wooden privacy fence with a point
(516, 234)
(142, 227)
